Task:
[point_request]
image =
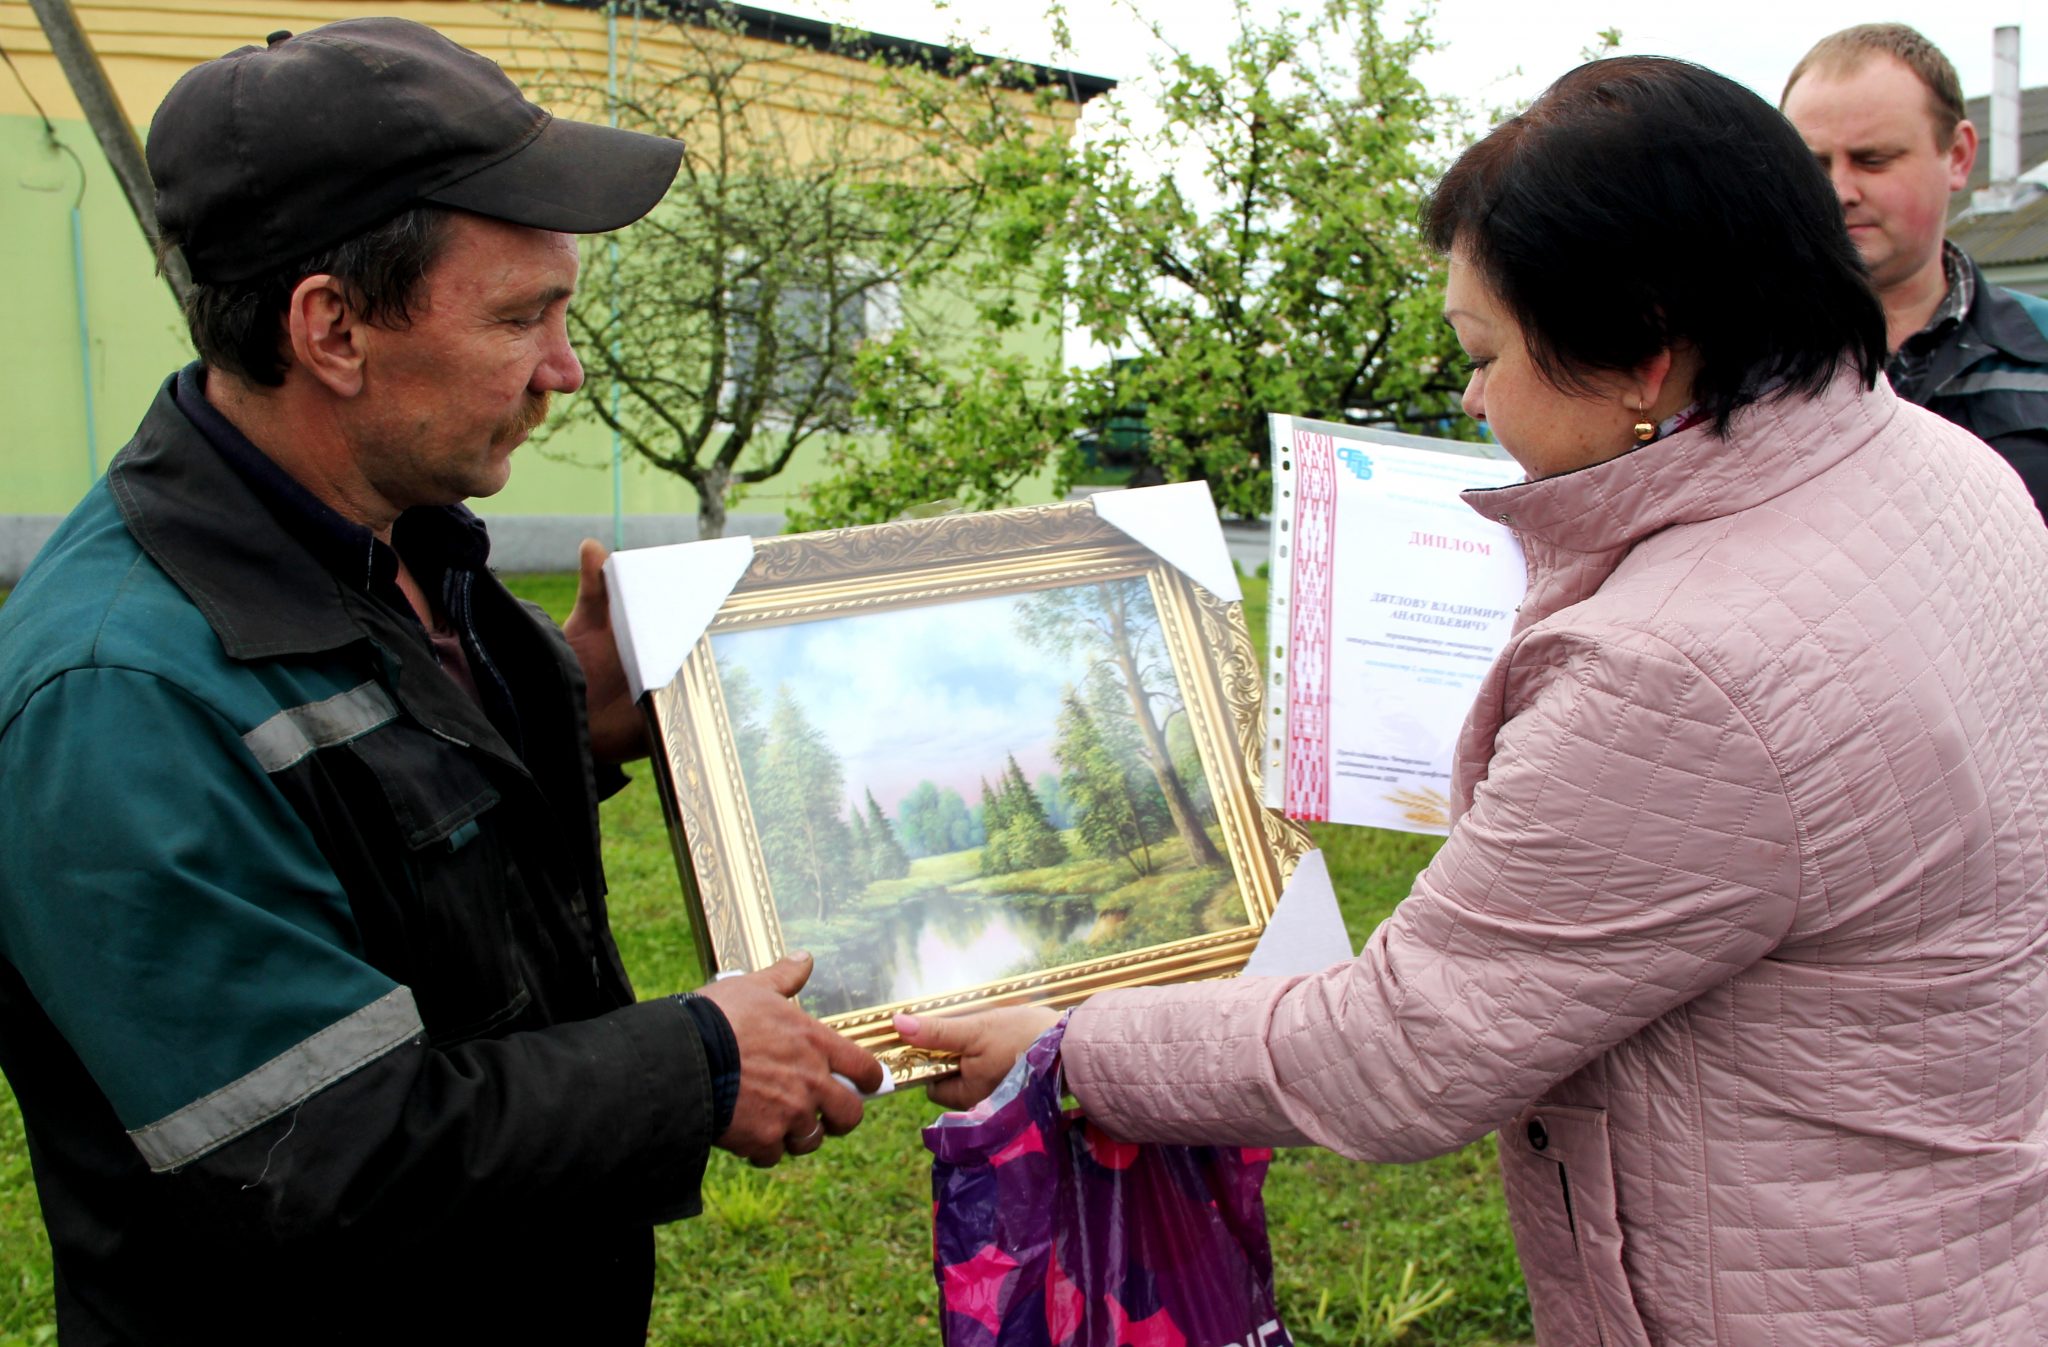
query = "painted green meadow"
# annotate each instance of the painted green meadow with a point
(835, 1248)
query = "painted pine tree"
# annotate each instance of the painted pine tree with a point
(1115, 627)
(886, 858)
(1117, 812)
(801, 790)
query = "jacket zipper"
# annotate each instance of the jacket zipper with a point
(1571, 1224)
(463, 592)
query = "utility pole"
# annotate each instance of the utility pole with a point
(95, 94)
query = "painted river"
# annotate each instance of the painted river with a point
(945, 943)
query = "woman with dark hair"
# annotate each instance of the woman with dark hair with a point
(1740, 936)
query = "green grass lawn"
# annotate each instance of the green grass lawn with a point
(836, 1248)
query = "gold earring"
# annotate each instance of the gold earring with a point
(1645, 430)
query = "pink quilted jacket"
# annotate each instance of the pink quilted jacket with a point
(1741, 936)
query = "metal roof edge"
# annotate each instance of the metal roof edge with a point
(2004, 238)
(797, 30)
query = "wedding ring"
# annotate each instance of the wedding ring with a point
(809, 1140)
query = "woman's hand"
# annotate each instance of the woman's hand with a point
(988, 1044)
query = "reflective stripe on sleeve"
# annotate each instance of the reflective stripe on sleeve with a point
(285, 1080)
(293, 733)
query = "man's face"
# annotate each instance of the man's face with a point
(1873, 131)
(447, 399)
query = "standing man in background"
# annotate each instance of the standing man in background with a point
(307, 990)
(1882, 110)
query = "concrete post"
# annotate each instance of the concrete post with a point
(95, 94)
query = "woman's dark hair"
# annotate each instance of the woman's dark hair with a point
(238, 326)
(1643, 201)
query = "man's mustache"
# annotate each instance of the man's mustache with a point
(529, 416)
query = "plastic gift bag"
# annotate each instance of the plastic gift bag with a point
(1049, 1233)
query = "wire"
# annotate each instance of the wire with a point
(49, 127)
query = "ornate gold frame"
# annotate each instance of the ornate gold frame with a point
(808, 577)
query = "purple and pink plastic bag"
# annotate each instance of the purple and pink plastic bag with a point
(1046, 1232)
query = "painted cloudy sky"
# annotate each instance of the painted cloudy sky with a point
(940, 692)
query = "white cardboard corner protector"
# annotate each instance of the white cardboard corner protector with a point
(662, 599)
(1178, 523)
(1306, 933)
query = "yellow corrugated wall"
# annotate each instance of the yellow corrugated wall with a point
(146, 44)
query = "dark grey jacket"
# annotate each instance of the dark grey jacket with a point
(1990, 376)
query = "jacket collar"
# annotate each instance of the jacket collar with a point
(2002, 322)
(255, 564)
(212, 509)
(433, 539)
(1996, 324)
(210, 531)
(1576, 527)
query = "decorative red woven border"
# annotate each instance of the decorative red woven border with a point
(1308, 637)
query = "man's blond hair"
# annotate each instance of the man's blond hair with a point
(1844, 52)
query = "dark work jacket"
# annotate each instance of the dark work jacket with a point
(307, 991)
(1990, 376)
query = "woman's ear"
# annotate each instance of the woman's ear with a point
(326, 335)
(1650, 381)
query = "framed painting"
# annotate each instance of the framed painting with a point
(968, 761)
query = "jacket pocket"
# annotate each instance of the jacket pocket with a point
(1559, 1175)
(447, 928)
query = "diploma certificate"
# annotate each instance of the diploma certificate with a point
(1389, 599)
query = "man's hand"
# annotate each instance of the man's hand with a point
(788, 1100)
(988, 1045)
(618, 732)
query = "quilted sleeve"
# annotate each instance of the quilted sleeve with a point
(1631, 846)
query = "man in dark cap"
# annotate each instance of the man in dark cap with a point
(306, 986)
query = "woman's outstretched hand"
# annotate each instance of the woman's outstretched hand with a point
(988, 1045)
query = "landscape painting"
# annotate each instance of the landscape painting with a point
(947, 795)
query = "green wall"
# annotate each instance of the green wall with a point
(137, 336)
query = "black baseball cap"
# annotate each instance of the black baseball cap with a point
(268, 154)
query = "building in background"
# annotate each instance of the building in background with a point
(2010, 244)
(2000, 218)
(70, 249)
